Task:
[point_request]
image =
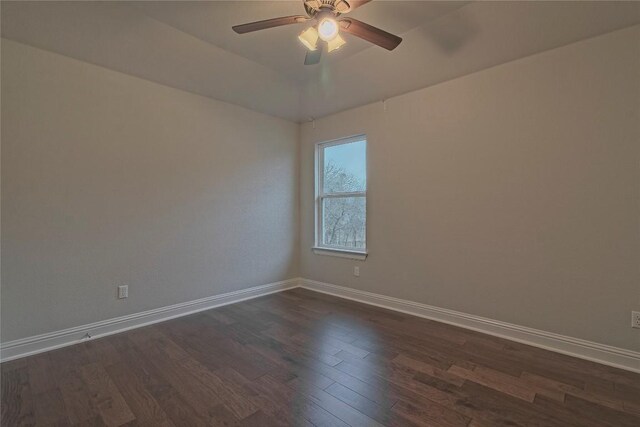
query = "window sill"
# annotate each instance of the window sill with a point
(341, 253)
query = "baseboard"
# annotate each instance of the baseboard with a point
(583, 349)
(600, 353)
(50, 341)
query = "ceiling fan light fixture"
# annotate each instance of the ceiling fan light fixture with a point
(309, 38)
(335, 44)
(328, 29)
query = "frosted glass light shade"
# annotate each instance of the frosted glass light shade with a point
(336, 43)
(309, 38)
(327, 29)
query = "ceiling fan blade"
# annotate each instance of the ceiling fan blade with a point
(370, 33)
(313, 56)
(269, 23)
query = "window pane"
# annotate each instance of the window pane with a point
(344, 220)
(345, 167)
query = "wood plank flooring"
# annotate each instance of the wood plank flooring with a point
(300, 358)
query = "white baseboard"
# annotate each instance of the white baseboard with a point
(50, 341)
(607, 355)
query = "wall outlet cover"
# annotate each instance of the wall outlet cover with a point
(123, 291)
(635, 319)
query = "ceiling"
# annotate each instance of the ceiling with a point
(190, 45)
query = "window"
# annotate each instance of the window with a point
(341, 195)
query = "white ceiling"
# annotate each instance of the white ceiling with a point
(190, 45)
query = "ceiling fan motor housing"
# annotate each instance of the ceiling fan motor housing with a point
(315, 8)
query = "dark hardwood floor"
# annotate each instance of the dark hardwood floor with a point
(300, 358)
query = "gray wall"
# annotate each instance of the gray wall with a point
(512, 193)
(108, 179)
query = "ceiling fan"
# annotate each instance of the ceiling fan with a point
(324, 14)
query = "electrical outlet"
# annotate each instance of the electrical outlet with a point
(635, 319)
(123, 291)
(356, 271)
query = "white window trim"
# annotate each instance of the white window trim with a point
(340, 253)
(319, 248)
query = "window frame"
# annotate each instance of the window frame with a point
(319, 247)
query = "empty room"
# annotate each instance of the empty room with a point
(341, 213)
